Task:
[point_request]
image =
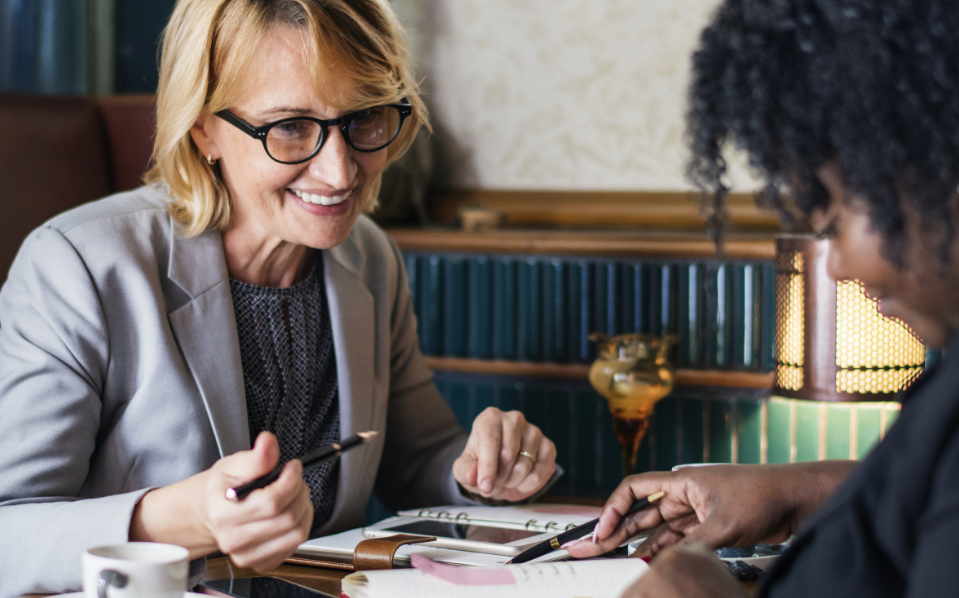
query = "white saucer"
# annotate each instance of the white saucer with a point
(762, 562)
(81, 594)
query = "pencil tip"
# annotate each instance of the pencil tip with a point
(655, 497)
(367, 435)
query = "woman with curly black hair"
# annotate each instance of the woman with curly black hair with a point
(853, 107)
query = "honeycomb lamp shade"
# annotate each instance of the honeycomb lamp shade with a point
(832, 343)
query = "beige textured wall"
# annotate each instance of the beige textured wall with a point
(556, 94)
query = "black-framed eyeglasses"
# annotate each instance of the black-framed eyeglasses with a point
(297, 139)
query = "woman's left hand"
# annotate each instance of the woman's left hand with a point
(506, 457)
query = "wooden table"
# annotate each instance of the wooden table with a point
(325, 580)
(317, 578)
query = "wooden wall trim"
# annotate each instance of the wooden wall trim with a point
(684, 377)
(601, 209)
(627, 244)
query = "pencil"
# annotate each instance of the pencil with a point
(310, 461)
(548, 546)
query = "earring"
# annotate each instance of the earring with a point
(210, 160)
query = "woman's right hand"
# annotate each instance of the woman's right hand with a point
(259, 532)
(263, 529)
(718, 505)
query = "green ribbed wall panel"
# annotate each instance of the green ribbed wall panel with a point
(456, 300)
(838, 441)
(544, 308)
(504, 309)
(868, 428)
(721, 422)
(665, 435)
(529, 342)
(749, 432)
(779, 431)
(806, 436)
(480, 308)
(691, 432)
(555, 299)
(689, 426)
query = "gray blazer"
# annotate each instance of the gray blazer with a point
(120, 372)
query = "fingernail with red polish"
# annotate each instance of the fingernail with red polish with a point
(646, 558)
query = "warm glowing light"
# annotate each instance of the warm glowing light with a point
(789, 376)
(874, 354)
(790, 320)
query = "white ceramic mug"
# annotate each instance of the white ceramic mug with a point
(135, 570)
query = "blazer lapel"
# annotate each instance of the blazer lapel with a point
(205, 329)
(352, 318)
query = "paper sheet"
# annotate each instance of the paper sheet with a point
(601, 578)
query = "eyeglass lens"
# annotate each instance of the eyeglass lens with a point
(294, 140)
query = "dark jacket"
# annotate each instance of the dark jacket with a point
(892, 529)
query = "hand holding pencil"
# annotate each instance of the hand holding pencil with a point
(677, 518)
(275, 514)
(259, 532)
(310, 461)
(579, 532)
(719, 505)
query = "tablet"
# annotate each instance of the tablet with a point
(471, 537)
(258, 587)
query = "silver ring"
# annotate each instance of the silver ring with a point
(529, 456)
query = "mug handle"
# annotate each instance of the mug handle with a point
(110, 577)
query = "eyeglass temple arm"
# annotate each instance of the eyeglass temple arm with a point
(239, 123)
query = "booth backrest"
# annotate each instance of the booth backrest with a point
(57, 152)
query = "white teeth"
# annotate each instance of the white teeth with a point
(321, 200)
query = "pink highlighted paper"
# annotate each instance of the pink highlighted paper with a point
(464, 576)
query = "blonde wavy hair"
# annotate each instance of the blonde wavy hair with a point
(209, 46)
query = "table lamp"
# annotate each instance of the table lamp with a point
(832, 343)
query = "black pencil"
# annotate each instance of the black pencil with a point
(548, 546)
(310, 461)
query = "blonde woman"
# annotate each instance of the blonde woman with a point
(241, 298)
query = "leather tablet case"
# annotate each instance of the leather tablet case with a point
(369, 554)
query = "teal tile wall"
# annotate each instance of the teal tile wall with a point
(691, 425)
(543, 308)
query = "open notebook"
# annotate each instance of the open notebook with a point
(601, 578)
(539, 517)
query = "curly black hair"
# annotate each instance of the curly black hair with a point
(870, 84)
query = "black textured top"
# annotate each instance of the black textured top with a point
(289, 373)
(890, 530)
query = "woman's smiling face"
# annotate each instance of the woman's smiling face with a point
(275, 204)
(921, 293)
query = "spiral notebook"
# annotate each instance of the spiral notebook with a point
(537, 517)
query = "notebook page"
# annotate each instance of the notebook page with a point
(604, 578)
